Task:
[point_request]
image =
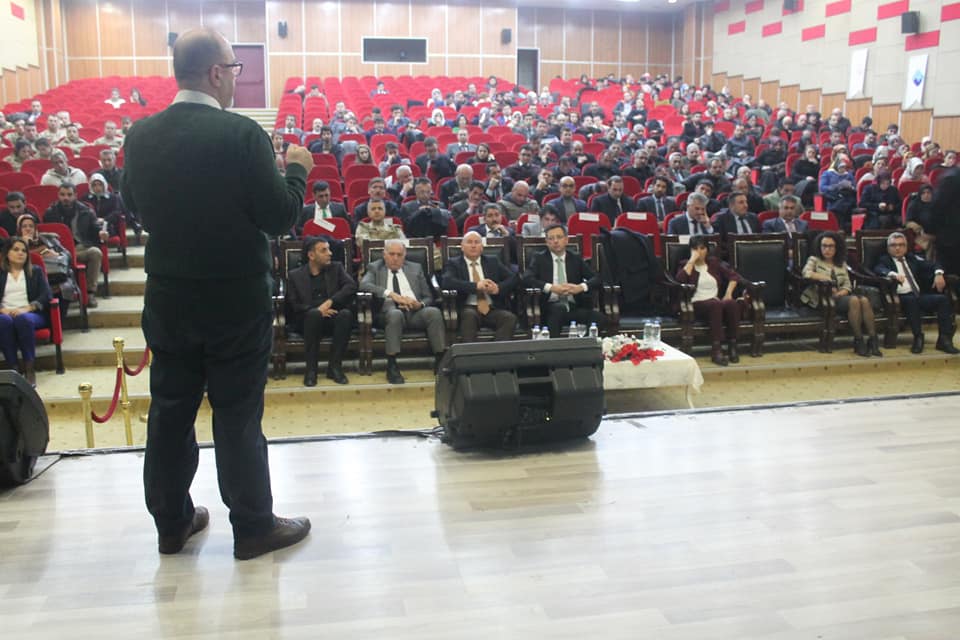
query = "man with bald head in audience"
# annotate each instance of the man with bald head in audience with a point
(207, 313)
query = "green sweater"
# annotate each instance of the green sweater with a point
(206, 186)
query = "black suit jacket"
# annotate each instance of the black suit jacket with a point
(443, 166)
(650, 206)
(539, 272)
(607, 205)
(300, 293)
(923, 270)
(726, 223)
(456, 276)
(311, 209)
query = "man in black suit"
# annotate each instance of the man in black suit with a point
(321, 207)
(659, 201)
(736, 218)
(920, 286)
(455, 190)
(483, 285)
(568, 203)
(613, 202)
(432, 159)
(317, 303)
(566, 281)
(424, 204)
(641, 167)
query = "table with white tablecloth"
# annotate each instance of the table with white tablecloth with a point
(673, 369)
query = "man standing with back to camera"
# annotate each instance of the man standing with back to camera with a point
(207, 315)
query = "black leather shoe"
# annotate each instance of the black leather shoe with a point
(393, 374)
(718, 358)
(732, 354)
(860, 347)
(174, 543)
(946, 345)
(336, 374)
(917, 346)
(310, 378)
(285, 532)
(873, 346)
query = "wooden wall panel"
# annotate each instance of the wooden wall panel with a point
(633, 28)
(81, 16)
(428, 22)
(116, 29)
(770, 92)
(394, 69)
(856, 110)
(601, 69)
(885, 114)
(281, 68)
(11, 92)
(500, 67)
(526, 27)
(718, 81)
(575, 69)
(322, 66)
(915, 124)
(154, 68)
(660, 32)
(463, 66)
(251, 23)
(464, 37)
(791, 95)
(550, 34)
(495, 19)
(356, 20)
(117, 68)
(436, 66)
(150, 29)
(183, 15)
(393, 19)
(549, 71)
(831, 101)
(751, 87)
(735, 84)
(577, 25)
(35, 80)
(77, 69)
(23, 82)
(946, 131)
(219, 16)
(606, 37)
(810, 97)
(290, 12)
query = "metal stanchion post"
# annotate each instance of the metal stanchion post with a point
(124, 399)
(86, 391)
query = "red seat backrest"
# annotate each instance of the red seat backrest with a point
(587, 225)
(340, 230)
(641, 222)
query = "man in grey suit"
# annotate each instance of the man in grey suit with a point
(462, 144)
(406, 302)
(789, 221)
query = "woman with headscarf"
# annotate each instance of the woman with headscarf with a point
(922, 220)
(913, 170)
(837, 187)
(108, 206)
(882, 203)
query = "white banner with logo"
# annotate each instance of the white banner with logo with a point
(916, 79)
(858, 73)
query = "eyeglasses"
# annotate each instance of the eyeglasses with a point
(236, 68)
(828, 246)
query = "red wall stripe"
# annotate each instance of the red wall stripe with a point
(862, 37)
(753, 6)
(892, 9)
(799, 8)
(721, 5)
(736, 27)
(772, 29)
(922, 41)
(812, 33)
(836, 8)
(17, 11)
(950, 12)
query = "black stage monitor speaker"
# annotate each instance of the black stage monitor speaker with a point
(24, 429)
(910, 22)
(506, 35)
(172, 38)
(505, 394)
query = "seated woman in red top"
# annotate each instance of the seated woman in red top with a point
(713, 299)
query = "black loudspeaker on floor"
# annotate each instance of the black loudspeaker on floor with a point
(24, 429)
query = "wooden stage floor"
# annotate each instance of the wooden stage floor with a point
(837, 521)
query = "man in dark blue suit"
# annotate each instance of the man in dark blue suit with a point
(614, 202)
(921, 287)
(483, 285)
(737, 219)
(566, 281)
(659, 201)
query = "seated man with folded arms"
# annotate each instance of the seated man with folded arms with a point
(318, 301)
(483, 285)
(88, 233)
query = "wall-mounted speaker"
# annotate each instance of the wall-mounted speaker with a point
(282, 28)
(506, 35)
(172, 38)
(910, 22)
(790, 5)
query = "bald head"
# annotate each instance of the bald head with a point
(199, 56)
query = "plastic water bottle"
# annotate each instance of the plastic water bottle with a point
(573, 329)
(544, 333)
(647, 332)
(535, 334)
(656, 332)
(594, 331)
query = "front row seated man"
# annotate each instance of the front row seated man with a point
(407, 301)
(920, 286)
(566, 281)
(483, 285)
(318, 301)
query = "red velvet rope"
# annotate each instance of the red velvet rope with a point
(113, 403)
(143, 363)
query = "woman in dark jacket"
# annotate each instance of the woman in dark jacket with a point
(922, 220)
(882, 202)
(713, 299)
(24, 305)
